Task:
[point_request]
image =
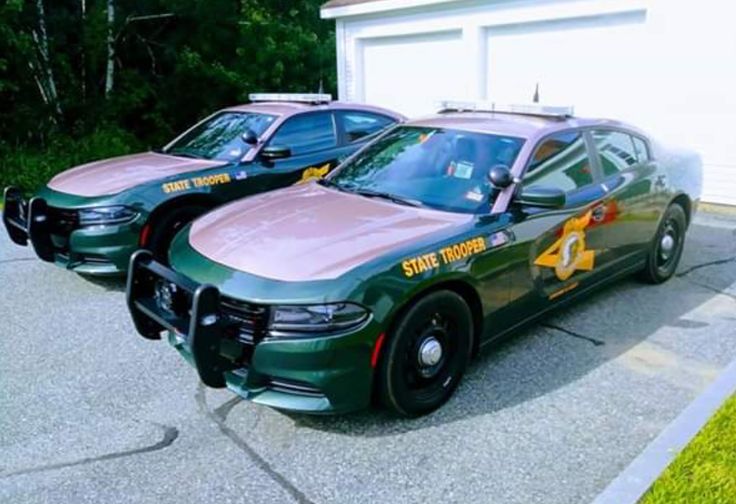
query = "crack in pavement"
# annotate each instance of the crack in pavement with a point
(596, 342)
(170, 435)
(218, 416)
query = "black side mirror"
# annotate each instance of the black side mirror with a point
(249, 137)
(500, 176)
(272, 152)
(540, 196)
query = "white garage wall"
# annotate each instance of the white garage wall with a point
(668, 66)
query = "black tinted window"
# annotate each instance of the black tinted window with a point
(307, 133)
(359, 125)
(642, 151)
(561, 161)
(616, 150)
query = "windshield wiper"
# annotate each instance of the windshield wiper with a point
(388, 196)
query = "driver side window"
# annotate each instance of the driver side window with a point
(307, 133)
(561, 161)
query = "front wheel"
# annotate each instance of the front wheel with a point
(666, 248)
(165, 228)
(426, 355)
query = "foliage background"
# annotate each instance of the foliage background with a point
(173, 62)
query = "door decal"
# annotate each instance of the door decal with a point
(314, 173)
(568, 254)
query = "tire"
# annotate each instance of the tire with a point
(165, 228)
(666, 248)
(413, 378)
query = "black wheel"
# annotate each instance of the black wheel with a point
(666, 248)
(165, 228)
(426, 354)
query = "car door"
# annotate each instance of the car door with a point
(555, 250)
(630, 180)
(314, 150)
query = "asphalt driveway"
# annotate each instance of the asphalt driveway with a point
(91, 413)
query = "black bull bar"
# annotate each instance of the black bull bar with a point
(194, 315)
(28, 221)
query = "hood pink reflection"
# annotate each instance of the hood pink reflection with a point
(112, 176)
(308, 232)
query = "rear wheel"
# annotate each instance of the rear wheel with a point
(666, 248)
(426, 355)
(165, 228)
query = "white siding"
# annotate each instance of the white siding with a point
(668, 66)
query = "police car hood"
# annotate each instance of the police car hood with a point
(111, 176)
(310, 232)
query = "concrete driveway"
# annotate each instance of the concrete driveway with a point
(91, 413)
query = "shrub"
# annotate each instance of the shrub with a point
(30, 168)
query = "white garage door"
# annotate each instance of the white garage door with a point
(412, 74)
(628, 67)
(589, 63)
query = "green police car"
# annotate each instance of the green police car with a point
(381, 281)
(90, 219)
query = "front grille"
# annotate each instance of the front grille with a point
(247, 322)
(294, 387)
(62, 221)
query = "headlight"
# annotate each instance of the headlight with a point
(106, 215)
(316, 318)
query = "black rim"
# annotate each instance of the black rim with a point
(668, 246)
(429, 360)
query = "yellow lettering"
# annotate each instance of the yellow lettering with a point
(407, 269)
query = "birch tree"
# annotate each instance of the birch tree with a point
(110, 74)
(43, 73)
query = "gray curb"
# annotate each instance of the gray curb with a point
(635, 480)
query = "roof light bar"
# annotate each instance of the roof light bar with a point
(291, 97)
(535, 109)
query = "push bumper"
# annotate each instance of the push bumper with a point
(56, 237)
(316, 375)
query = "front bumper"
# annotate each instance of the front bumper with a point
(56, 236)
(323, 374)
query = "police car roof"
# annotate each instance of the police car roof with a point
(510, 124)
(287, 108)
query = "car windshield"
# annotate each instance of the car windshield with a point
(220, 137)
(431, 167)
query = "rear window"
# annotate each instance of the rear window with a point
(616, 150)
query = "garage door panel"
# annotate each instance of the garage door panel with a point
(412, 73)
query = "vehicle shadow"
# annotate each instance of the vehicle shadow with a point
(109, 283)
(569, 344)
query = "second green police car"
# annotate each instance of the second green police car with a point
(442, 236)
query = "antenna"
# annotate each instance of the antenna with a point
(536, 94)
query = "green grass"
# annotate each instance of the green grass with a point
(705, 471)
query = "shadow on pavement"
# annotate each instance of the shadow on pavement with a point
(567, 345)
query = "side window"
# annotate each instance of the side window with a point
(561, 161)
(307, 133)
(616, 151)
(642, 151)
(357, 125)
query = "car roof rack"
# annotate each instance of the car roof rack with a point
(532, 109)
(313, 98)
